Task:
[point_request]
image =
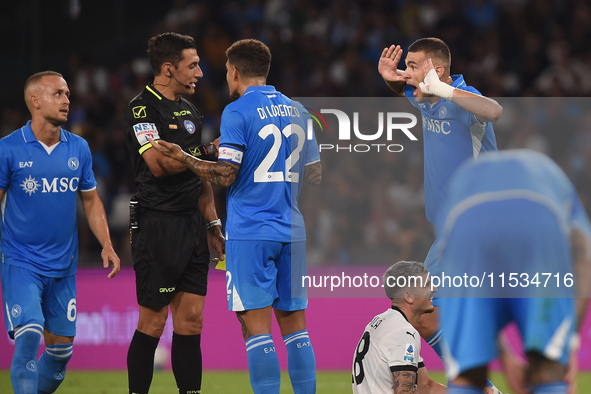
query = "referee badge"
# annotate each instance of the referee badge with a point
(189, 126)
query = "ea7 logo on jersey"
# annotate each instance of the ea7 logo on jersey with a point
(24, 164)
(144, 130)
(409, 355)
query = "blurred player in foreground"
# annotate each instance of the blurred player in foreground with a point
(388, 356)
(514, 211)
(264, 158)
(43, 168)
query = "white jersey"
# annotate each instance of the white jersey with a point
(390, 343)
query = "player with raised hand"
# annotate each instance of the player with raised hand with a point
(457, 125)
(264, 158)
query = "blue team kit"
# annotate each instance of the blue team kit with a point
(264, 132)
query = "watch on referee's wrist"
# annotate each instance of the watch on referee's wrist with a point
(213, 223)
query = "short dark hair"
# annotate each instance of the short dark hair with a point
(168, 47)
(251, 57)
(434, 47)
(36, 77)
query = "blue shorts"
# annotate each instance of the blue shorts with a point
(471, 327)
(265, 273)
(30, 298)
(494, 241)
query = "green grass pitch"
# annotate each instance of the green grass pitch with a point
(329, 382)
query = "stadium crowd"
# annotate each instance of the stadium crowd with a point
(373, 210)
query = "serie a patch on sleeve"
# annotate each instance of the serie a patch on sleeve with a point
(230, 154)
(144, 130)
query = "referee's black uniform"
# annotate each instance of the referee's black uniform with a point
(169, 245)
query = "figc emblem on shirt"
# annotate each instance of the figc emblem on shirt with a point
(73, 163)
(30, 185)
(189, 126)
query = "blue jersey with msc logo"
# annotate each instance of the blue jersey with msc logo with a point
(265, 133)
(451, 135)
(39, 228)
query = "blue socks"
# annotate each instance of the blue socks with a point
(263, 365)
(301, 362)
(52, 366)
(550, 388)
(24, 373)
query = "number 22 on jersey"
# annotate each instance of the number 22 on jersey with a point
(262, 173)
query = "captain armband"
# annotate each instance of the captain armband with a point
(233, 155)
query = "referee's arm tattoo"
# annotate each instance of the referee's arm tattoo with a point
(221, 173)
(404, 382)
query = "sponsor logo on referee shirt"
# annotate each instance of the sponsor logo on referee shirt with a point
(139, 112)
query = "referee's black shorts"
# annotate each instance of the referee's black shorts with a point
(170, 254)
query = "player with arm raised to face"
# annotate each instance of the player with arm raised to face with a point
(43, 168)
(457, 125)
(264, 158)
(173, 217)
(514, 211)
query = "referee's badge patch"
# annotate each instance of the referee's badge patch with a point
(73, 163)
(189, 126)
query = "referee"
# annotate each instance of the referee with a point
(172, 215)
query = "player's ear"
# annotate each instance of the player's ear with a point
(408, 297)
(440, 71)
(235, 74)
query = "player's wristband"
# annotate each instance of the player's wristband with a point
(203, 150)
(436, 87)
(213, 223)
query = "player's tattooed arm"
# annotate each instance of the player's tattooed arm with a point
(403, 382)
(221, 173)
(313, 174)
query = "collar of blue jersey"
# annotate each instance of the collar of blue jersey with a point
(30, 137)
(457, 80)
(260, 88)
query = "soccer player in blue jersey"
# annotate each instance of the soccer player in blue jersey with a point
(457, 125)
(264, 157)
(513, 213)
(43, 168)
